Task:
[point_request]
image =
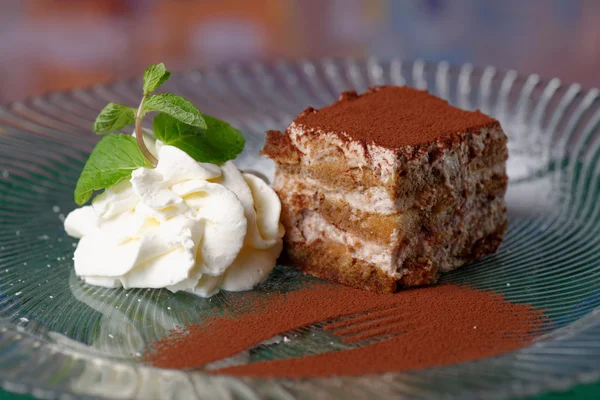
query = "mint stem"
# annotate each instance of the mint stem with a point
(139, 135)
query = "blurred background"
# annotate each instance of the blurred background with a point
(58, 44)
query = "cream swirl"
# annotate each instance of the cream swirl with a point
(183, 225)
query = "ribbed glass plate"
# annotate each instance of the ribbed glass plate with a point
(59, 336)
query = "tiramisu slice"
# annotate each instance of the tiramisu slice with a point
(389, 188)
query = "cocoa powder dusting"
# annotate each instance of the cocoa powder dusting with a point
(425, 327)
(394, 117)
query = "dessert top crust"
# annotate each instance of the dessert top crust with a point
(393, 117)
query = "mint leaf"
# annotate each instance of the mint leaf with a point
(112, 160)
(218, 143)
(113, 117)
(177, 107)
(154, 76)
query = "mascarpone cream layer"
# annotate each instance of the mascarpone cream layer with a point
(314, 227)
(373, 199)
(385, 163)
(475, 224)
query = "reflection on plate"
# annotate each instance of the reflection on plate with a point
(58, 335)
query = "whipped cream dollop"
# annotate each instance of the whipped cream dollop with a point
(183, 225)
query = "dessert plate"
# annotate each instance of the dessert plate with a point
(59, 336)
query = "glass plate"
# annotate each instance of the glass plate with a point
(59, 336)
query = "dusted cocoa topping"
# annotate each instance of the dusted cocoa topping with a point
(394, 117)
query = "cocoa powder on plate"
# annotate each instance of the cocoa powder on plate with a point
(424, 327)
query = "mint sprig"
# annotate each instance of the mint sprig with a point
(177, 107)
(112, 160)
(216, 144)
(114, 117)
(179, 123)
(154, 76)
